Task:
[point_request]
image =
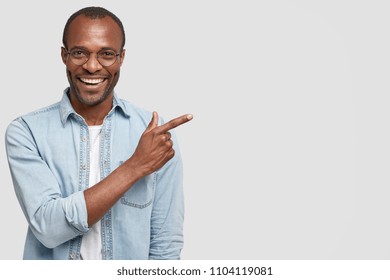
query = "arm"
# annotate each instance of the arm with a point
(52, 218)
(154, 150)
(55, 219)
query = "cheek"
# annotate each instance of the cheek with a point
(115, 78)
(70, 72)
(114, 71)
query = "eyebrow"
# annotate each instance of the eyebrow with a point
(85, 49)
(79, 47)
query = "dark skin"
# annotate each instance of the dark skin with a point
(93, 101)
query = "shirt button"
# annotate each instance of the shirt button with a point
(84, 166)
(84, 139)
(72, 256)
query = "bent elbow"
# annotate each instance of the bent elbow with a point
(48, 242)
(50, 237)
(53, 233)
(59, 221)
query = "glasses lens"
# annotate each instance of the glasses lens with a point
(107, 57)
(79, 57)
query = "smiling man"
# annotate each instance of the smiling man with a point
(97, 177)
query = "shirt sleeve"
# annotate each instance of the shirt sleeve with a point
(52, 218)
(168, 210)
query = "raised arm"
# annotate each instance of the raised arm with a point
(154, 149)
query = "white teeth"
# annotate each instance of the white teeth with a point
(91, 81)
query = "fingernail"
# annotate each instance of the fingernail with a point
(189, 117)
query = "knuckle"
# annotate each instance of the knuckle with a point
(168, 144)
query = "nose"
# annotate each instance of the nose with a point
(92, 65)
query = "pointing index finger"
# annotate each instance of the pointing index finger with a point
(174, 123)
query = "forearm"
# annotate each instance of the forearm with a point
(153, 151)
(102, 196)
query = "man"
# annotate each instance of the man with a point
(96, 177)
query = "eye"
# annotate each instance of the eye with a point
(78, 54)
(107, 54)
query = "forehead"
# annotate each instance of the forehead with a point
(94, 34)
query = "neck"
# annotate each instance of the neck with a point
(92, 114)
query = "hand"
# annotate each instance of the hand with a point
(155, 146)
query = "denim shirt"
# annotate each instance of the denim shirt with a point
(48, 156)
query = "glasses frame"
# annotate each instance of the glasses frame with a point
(68, 54)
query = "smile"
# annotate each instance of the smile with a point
(92, 81)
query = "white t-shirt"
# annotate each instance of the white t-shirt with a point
(91, 245)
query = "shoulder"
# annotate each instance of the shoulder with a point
(38, 114)
(136, 113)
(38, 118)
(133, 109)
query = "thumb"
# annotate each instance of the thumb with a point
(153, 123)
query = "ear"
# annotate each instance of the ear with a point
(64, 55)
(122, 57)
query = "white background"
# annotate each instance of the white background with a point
(288, 155)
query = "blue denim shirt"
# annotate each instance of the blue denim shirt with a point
(48, 155)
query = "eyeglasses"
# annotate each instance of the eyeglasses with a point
(80, 56)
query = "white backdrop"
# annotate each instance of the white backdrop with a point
(288, 155)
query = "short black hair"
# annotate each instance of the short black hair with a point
(93, 13)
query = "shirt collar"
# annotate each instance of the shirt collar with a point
(66, 108)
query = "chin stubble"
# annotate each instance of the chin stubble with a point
(103, 97)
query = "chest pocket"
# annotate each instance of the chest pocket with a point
(140, 195)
